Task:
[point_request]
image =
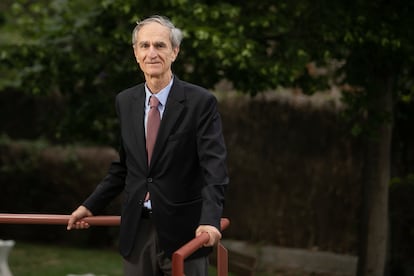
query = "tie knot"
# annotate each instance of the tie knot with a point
(154, 102)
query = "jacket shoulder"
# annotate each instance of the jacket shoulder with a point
(130, 92)
(194, 91)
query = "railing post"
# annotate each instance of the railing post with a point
(222, 260)
(178, 265)
(5, 247)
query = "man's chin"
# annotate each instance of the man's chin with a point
(154, 73)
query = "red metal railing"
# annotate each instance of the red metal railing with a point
(178, 257)
(56, 219)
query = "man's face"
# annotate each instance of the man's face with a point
(153, 50)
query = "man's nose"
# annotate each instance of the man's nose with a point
(153, 52)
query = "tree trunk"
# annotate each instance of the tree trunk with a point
(374, 231)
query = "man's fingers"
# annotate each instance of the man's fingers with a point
(75, 221)
(77, 224)
(213, 233)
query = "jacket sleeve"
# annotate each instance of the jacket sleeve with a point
(212, 155)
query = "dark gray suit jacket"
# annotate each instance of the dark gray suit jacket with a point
(187, 176)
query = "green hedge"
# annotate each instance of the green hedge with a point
(38, 178)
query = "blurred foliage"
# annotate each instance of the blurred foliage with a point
(80, 51)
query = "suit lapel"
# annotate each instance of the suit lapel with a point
(138, 113)
(172, 113)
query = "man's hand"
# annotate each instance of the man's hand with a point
(212, 231)
(75, 220)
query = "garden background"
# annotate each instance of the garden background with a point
(316, 102)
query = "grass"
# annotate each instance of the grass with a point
(32, 259)
(27, 259)
(40, 259)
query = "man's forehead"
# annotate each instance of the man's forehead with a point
(154, 30)
(143, 40)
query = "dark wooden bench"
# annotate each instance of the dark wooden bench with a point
(239, 264)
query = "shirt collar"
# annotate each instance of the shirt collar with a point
(161, 96)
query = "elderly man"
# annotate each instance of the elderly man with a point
(172, 166)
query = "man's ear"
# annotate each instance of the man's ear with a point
(176, 51)
(135, 53)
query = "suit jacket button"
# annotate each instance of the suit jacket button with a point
(149, 180)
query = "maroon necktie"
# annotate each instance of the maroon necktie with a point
(153, 123)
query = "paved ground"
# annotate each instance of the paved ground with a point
(290, 261)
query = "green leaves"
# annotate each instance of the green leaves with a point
(75, 47)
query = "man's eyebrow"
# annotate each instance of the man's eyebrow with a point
(160, 43)
(154, 43)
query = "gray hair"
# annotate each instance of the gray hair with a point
(175, 34)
